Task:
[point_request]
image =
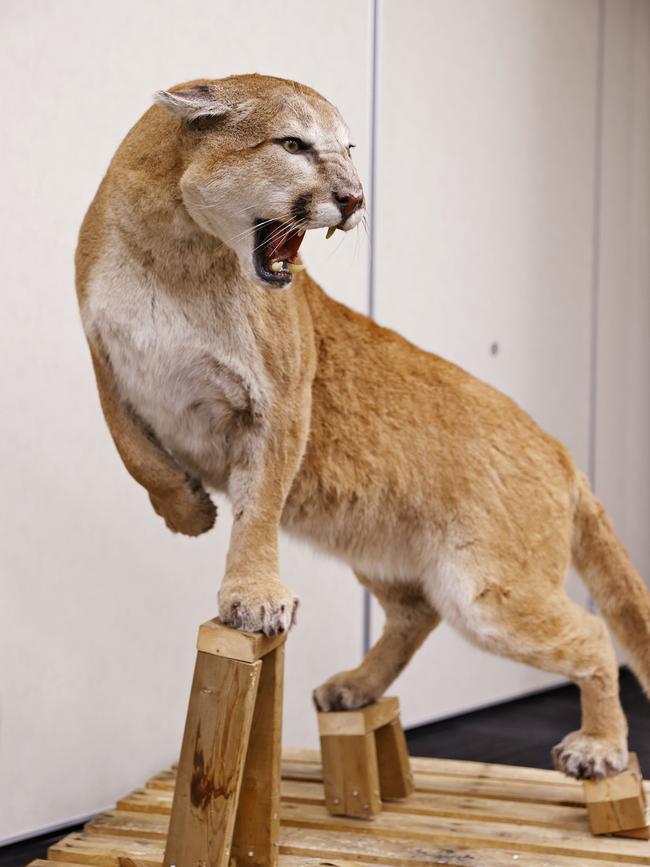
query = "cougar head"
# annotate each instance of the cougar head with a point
(265, 160)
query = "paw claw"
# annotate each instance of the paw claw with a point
(269, 609)
(587, 757)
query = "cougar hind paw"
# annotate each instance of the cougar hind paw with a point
(587, 757)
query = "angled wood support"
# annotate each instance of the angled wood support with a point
(365, 759)
(617, 805)
(226, 800)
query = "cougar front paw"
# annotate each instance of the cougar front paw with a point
(588, 757)
(344, 691)
(187, 509)
(269, 608)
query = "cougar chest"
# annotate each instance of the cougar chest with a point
(189, 367)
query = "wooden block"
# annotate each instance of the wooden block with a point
(637, 833)
(220, 640)
(351, 775)
(211, 765)
(257, 826)
(617, 804)
(333, 774)
(395, 777)
(359, 722)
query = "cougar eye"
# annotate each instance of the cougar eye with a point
(293, 145)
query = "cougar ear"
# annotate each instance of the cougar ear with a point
(192, 103)
(202, 101)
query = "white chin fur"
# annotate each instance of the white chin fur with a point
(353, 221)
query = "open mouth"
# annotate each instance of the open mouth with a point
(276, 251)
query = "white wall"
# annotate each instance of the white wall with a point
(485, 237)
(100, 603)
(489, 186)
(622, 455)
(514, 209)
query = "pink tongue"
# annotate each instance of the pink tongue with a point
(287, 248)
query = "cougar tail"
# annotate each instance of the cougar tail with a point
(617, 587)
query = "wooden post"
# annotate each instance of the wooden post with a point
(617, 805)
(395, 776)
(225, 806)
(365, 758)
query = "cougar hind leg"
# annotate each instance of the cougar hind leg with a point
(549, 631)
(409, 619)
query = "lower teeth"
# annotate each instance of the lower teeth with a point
(276, 267)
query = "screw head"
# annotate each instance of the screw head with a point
(355, 792)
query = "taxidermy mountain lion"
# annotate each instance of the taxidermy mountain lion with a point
(221, 365)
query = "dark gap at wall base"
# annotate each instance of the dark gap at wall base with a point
(519, 732)
(522, 732)
(20, 854)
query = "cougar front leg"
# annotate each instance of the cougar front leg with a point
(409, 619)
(179, 499)
(252, 596)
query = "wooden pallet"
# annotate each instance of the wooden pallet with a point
(466, 814)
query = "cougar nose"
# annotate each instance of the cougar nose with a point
(348, 204)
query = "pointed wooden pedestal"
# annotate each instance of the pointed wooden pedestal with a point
(617, 805)
(225, 810)
(365, 759)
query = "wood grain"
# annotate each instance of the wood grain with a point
(617, 805)
(258, 816)
(395, 775)
(220, 640)
(212, 760)
(351, 775)
(361, 721)
(491, 819)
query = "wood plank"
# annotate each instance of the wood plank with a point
(433, 803)
(460, 806)
(361, 721)
(295, 756)
(211, 766)
(300, 861)
(521, 838)
(163, 780)
(109, 851)
(121, 823)
(147, 801)
(511, 790)
(395, 775)
(411, 853)
(486, 783)
(258, 813)
(285, 861)
(219, 640)
(39, 862)
(442, 805)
